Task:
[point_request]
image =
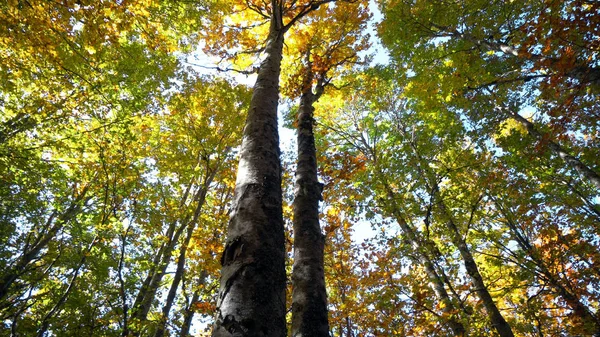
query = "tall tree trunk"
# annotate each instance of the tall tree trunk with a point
(425, 259)
(498, 321)
(160, 262)
(251, 299)
(147, 292)
(426, 256)
(309, 296)
(58, 306)
(201, 197)
(122, 289)
(189, 315)
(496, 318)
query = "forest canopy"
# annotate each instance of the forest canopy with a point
(445, 178)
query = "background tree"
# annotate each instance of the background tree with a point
(477, 140)
(318, 54)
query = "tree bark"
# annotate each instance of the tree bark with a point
(251, 300)
(309, 296)
(496, 318)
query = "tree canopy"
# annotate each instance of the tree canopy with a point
(452, 191)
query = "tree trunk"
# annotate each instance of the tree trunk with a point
(583, 170)
(189, 315)
(309, 296)
(31, 251)
(498, 321)
(147, 292)
(585, 314)
(57, 306)
(200, 198)
(251, 299)
(421, 248)
(424, 258)
(496, 318)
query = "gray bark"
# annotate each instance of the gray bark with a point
(147, 292)
(425, 256)
(251, 300)
(309, 296)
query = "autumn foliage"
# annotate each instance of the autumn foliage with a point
(460, 175)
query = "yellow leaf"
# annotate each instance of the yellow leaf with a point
(91, 50)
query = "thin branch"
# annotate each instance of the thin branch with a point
(252, 71)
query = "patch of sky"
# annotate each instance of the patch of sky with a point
(151, 175)
(380, 54)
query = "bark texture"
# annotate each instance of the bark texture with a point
(251, 299)
(309, 296)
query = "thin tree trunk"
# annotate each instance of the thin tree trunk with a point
(122, 291)
(251, 299)
(188, 316)
(147, 292)
(496, 318)
(201, 197)
(422, 249)
(53, 224)
(160, 329)
(57, 307)
(583, 170)
(498, 321)
(309, 296)
(425, 260)
(586, 315)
